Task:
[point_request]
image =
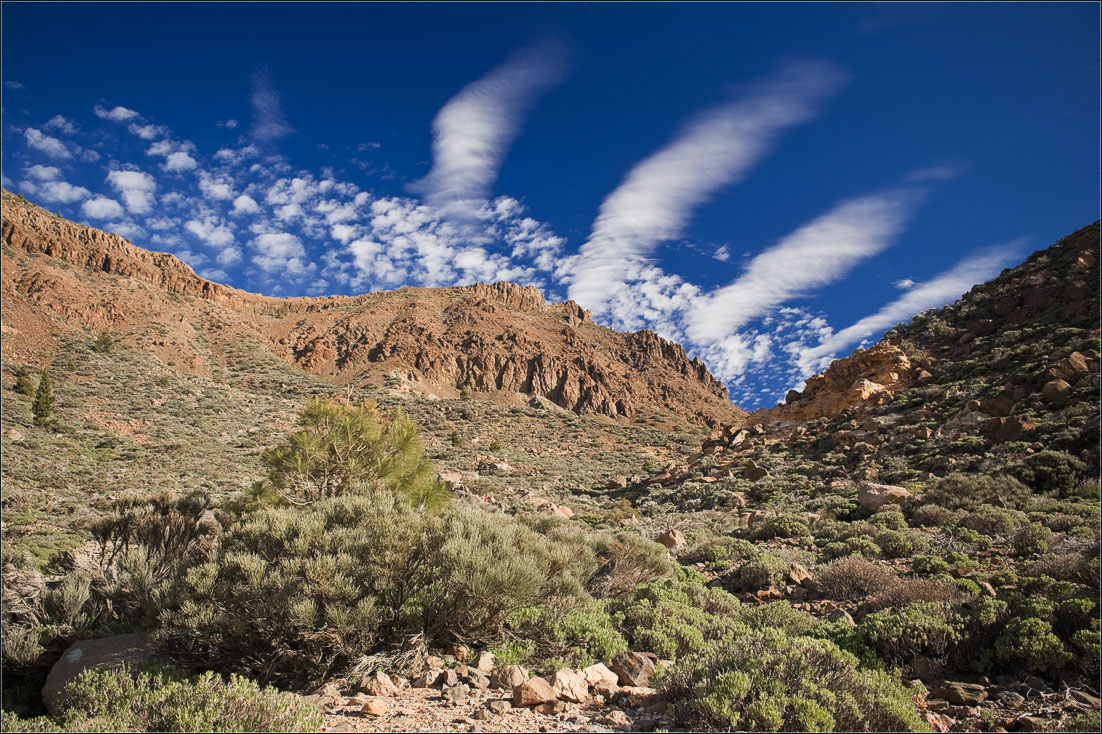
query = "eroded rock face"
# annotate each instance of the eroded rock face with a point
(868, 377)
(500, 338)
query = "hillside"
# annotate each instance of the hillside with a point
(501, 341)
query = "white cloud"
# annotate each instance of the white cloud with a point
(942, 289)
(102, 208)
(229, 256)
(940, 172)
(281, 252)
(62, 192)
(215, 188)
(814, 255)
(179, 161)
(228, 124)
(723, 254)
(115, 114)
(13, 85)
(473, 131)
(210, 231)
(61, 124)
(904, 283)
(136, 189)
(656, 199)
(234, 157)
(148, 132)
(44, 173)
(245, 204)
(269, 122)
(49, 145)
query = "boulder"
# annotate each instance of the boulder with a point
(508, 677)
(457, 695)
(841, 615)
(570, 685)
(474, 676)
(104, 652)
(485, 662)
(1000, 406)
(378, 684)
(1056, 391)
(499, 707)
(606, 688)
(874, 496)
(550, 708)
(753, 472)
(671, 538)
(1071, 370)
(960, 694)
(797, 574)
(533, 692)
(594, 674)
(375, 707)
(426, 680)
(562, 511)
(632, 668)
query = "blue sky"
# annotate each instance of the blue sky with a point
(772, 185)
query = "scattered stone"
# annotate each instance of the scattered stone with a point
(508, 677)
(594, 674)
(607, 689)
(874, 496)
(378, 684)
(571, 685)
(532, 692)
(841, 615)
(448, 678)
(426, 680)
(473, 676)
(499, 707)
(671, 538)
(1071, 370)
(617, 719)
(458, 694)
(375, 707)
(618, 482)
(104, 652)
(632, 668)
(1056, 391)
(460, 652)
(550, 708)
(961, 694)
(797, 574)
(485, 662)
(753, 472)
(640, 696)
(483, 715)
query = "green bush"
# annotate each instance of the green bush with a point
(1031, 539)
(967, 492)
(166, 700)
(927, 628)
(1049, 471)
(343, 449)
(104, 343)
(785, 526)
(1031, 643)
(44, 401)
(25, 384)
(768, 680)
(929, 565)
(894, 544)
(762, 571)
(677, 617)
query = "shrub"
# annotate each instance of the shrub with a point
(853, 578)
(771, 681)
(779, 614)
(166, 700)
(1064, 567)
(993, 520)
(762, 571)
(934, 516)
(1049, 471)
(1030, 539)
(929, 565)
(907, 591)
(967, 492)
(784, 526)
(104, 343)
(44, 401)
(927, 628)
(894, 544)
(718, 550)
(677, 617)
(25, 384)
(342, 449)
(1031, 643)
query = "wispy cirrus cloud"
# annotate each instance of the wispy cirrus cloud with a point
(474, 130)
(816, 254)
(656, 199)
(944, 288)
(269, 121)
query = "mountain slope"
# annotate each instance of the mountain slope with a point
(501, 341)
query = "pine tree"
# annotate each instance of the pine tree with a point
(24, 384)
(43, 405)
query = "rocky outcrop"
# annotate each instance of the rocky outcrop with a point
(868, 377)
(482, 338)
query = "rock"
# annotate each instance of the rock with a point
(1029, 723)
(104, 652)
(986, 588)
(14, 434)
(753, 472)
(1000, 406)
(616, 719)
(375, 707)
(671, 538)
(532, 692)
(571, 685)
(426, 680)
(474, 676)
(1012, 429)
(1056, 391)
(562, 511)
(597, 673)
(508, 677)
(606, 688)
(841, 615)
(458, 694)
(618, 482)
(632, 668)
(797, 574)
(960, 694)
(640, 696)
(873, 496)
(378, 684)
(483, 715)
(460, 652)
(499, 707)
(792, 396)
(448, 678)
(550, 708)
(1086, 699)
(1071, 369)
(485, 662)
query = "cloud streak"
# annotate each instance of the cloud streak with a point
(815, 255)
(656, 199)
(944, 288)
(269, 122)
(474, 130)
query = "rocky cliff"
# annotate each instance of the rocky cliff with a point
(501, 340)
